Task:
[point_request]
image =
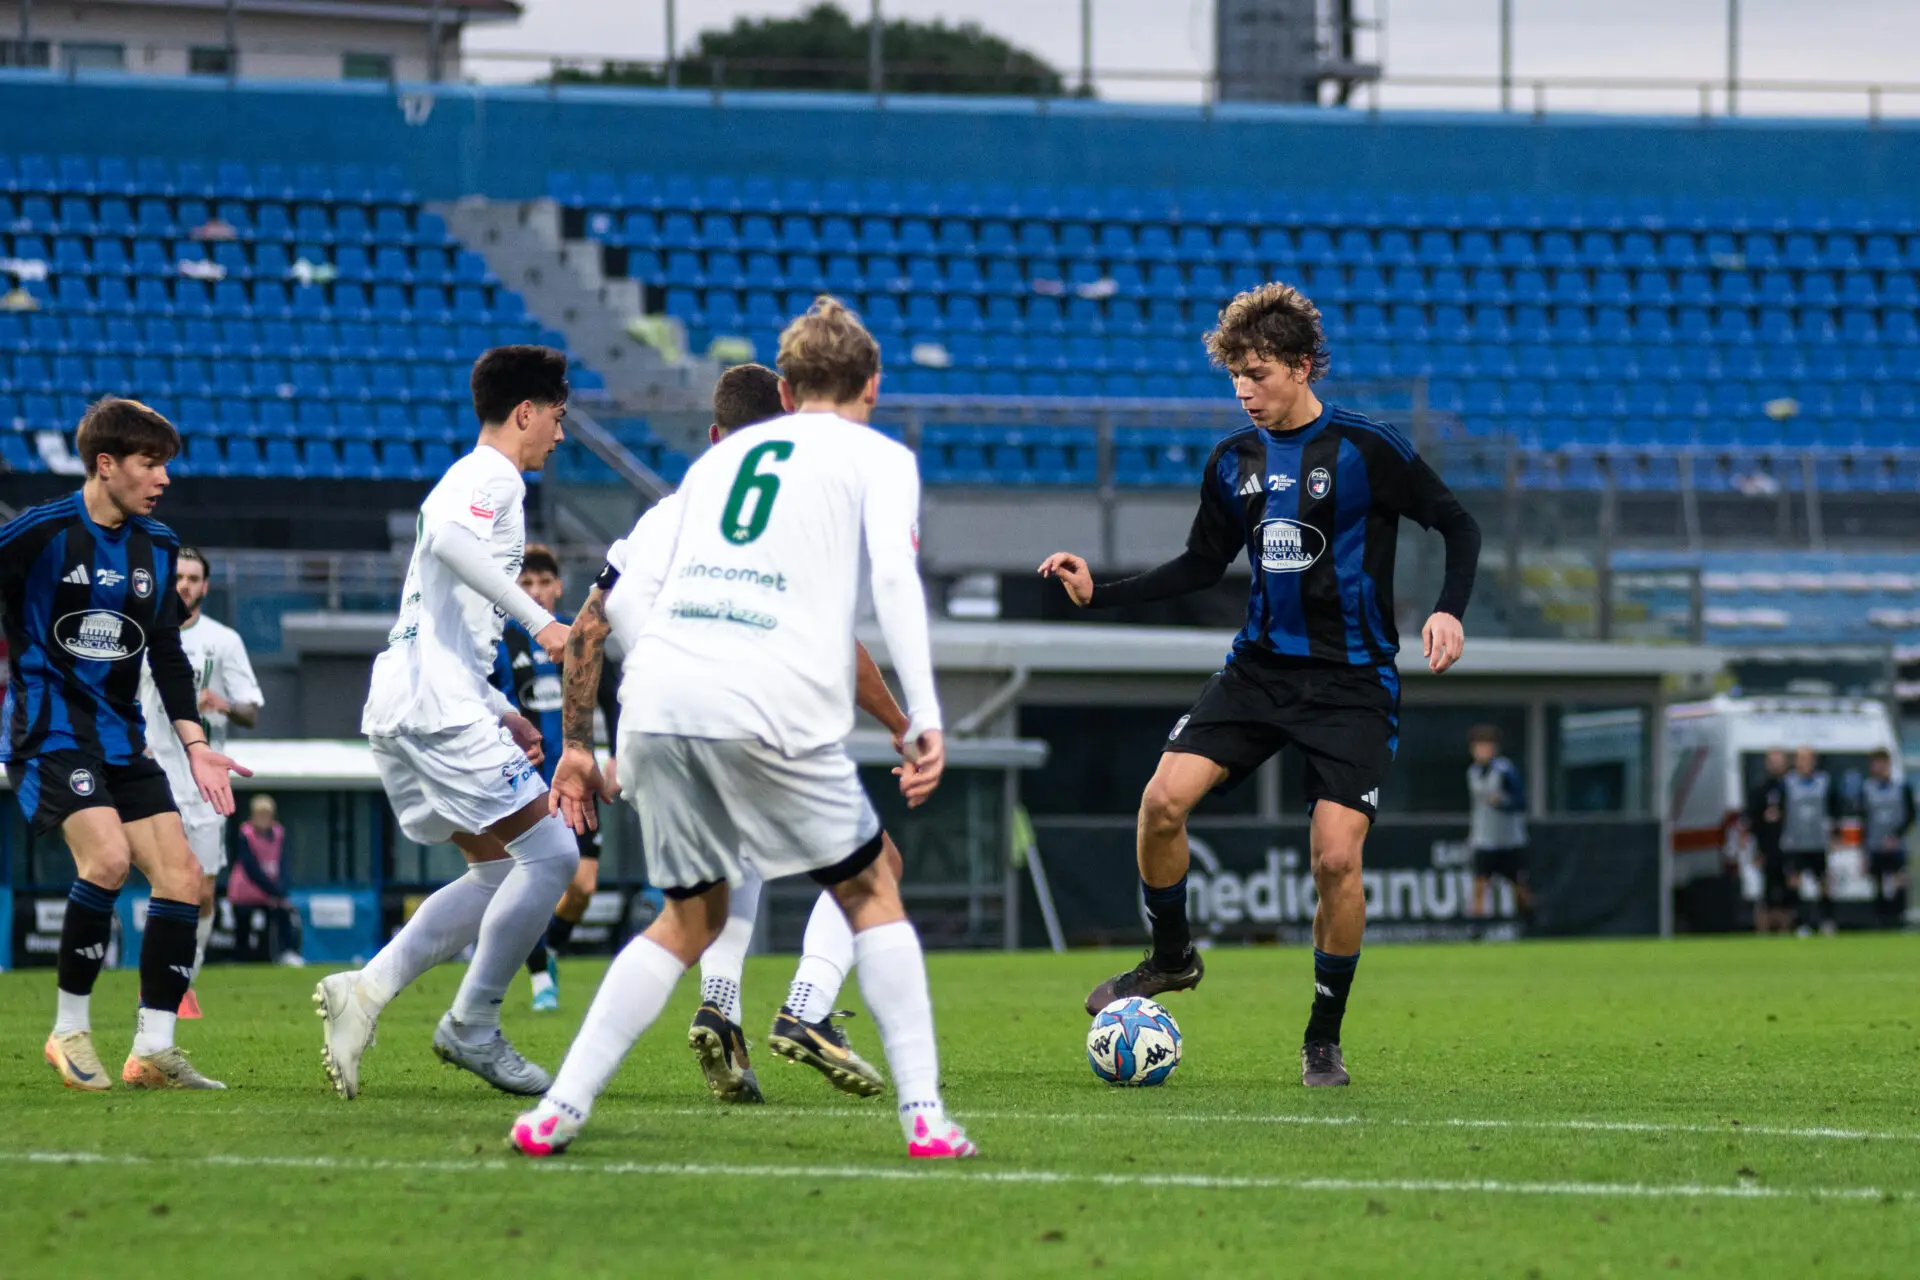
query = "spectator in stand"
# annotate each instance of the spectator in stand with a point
(257, 882)
(1766, 818)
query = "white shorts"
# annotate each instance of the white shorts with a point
(462, 779)
(208, 840)
(710, 808)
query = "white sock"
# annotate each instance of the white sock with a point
(153, 1032)
(826, 957)
(74, 1013)
(893, 978)
(202, 930)
(441, 928)
(544, 858)
(631, 996)
(721, 964)
(542, 981)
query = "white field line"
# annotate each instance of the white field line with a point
(984, 1175)
(1729, 1128)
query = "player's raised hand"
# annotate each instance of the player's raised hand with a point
(576, 780)
(1072, 573)
(210, 770)
(1442, 640)
(925, 760)
(525, 736)
(553, 638)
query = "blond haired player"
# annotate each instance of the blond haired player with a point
(736, 701)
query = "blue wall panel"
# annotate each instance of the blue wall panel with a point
(502, 142)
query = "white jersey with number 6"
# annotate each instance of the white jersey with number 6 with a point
(745, 629)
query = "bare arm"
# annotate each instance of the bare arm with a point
(580, 685)
(871, 694)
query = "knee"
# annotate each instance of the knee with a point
(1162, 811)
(1337, 861)
(108, 870)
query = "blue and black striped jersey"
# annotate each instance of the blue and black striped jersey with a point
(1317, 510)
(85, 607)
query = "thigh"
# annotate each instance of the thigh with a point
(798, 814)
(52, 787)
(467, 779)
(1235, 723)
(1346, 724)
(686, 830)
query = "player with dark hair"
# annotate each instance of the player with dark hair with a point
(1886, 816)
(804, 1030)
(457, 762)
(1314, 495)
(531, 679)
(88, 588)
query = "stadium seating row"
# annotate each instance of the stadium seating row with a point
(1211, 206)
(229, 179)
(49, 333)
(190, 376)
(264, 260)
(155, 218)
(1355, 247)
(264, 300)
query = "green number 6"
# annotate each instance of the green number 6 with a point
(750, 501)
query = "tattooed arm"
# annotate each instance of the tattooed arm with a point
(580, 685)
(576, 778)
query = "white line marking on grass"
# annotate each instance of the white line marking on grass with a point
(985, 1175)
(776, 1112)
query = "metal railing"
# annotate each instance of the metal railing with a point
(1705, 96)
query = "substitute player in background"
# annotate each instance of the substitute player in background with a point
(452, 752)
(1886, 816)
(531, 679)
(226, 691)
(1496, 822)
(737, 700)
(87, 588)
(1314, 495)
(804, 1030)
(1813, 809)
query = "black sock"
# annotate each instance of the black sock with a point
(1167, 909)
(84, 936)
(1332, 980)
(537, 958)
(1899, 908)
(166, 953)
(1803, 915)
(1826, 909)
(559, 932)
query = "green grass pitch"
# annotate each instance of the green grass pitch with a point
(1734, 1107)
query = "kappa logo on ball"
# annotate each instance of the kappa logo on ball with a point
(1319, 483)
(81, 781)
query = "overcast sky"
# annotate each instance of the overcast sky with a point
(1844, 40)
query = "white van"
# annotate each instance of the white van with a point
(1717, 751)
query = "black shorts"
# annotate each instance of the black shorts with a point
(58, 784)
(1800, 864)
(1345, 720)
(1508, 864)
(1886, 862)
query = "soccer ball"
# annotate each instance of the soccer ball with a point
(1133, 1041)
